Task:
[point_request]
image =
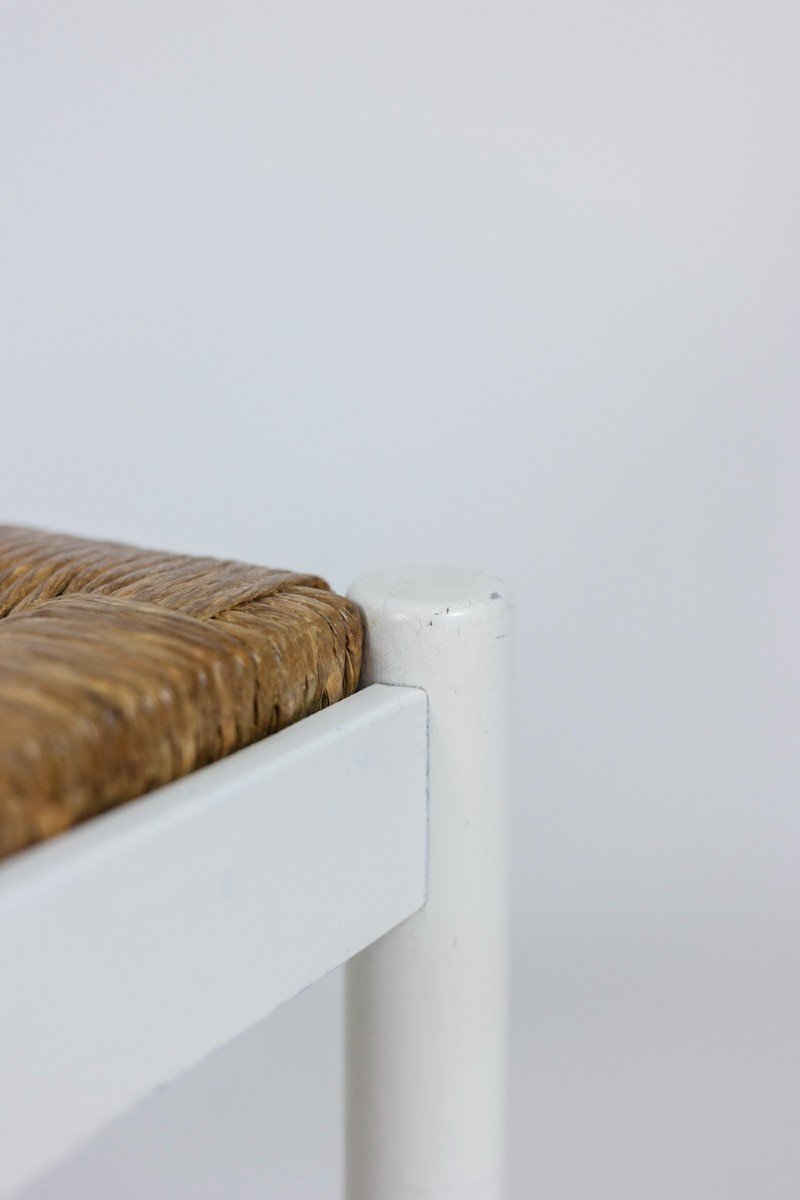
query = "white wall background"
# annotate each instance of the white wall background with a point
(345, 285)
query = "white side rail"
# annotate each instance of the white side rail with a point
(136, 944)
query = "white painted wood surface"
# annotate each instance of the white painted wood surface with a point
(136, 944)
(426, 1004)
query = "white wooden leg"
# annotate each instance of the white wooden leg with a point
(426, 1004)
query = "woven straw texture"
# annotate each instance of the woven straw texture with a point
(122, 669)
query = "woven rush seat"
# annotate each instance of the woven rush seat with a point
(123, 669)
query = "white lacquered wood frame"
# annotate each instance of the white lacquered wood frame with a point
(426, 1004)
(133, 946)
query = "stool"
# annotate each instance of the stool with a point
(200, 815)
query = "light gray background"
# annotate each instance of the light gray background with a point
(347, 285)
